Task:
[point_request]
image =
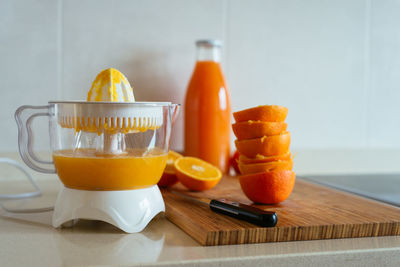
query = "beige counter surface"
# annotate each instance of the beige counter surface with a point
(30, 240)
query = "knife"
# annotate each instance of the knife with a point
(237, 210)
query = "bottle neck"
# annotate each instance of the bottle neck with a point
(208, 53)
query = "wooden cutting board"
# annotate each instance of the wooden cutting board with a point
(311, 212)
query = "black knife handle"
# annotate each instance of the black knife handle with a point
(244, 212)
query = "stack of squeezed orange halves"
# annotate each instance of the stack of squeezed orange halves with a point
(265, 161)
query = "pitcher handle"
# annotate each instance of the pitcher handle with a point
(175, 112)
(25, 137)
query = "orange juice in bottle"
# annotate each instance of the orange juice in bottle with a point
(208, 108)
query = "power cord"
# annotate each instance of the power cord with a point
(36, 193)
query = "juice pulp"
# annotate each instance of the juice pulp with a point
(88, 170)
(207, 116)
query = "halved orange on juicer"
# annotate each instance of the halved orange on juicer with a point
(169, 176)
(266, 145)
(256, 129)
(196, 174)
(272, 113)
(279, 165)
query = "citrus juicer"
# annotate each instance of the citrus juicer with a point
(109, 155)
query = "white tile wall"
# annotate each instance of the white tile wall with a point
(308, 56)
(383, 103)
(28, 63)
(335, 64)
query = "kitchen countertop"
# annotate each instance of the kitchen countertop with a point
(29, 239)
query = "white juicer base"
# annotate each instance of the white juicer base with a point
(129, 210)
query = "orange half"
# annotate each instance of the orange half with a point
(265, 146)
(169, 176)
(196, 174)
(172, 157)
(256, 129)
(268, 187)
(272, 113)
(262, 159)
(279, 165)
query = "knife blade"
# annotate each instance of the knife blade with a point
(237, 210)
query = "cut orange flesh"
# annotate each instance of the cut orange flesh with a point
(169, 176)
(266, 167)
(262, 159)
(265, 146)
(197, 174)
(268, 187)
(271, 113)
(257, 129)
(172, 157)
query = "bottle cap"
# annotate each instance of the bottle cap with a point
(209, 43)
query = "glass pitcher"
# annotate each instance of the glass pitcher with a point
(101, 145)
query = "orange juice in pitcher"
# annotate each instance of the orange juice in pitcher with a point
(208, 108)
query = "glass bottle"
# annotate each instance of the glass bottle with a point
(208, 108)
